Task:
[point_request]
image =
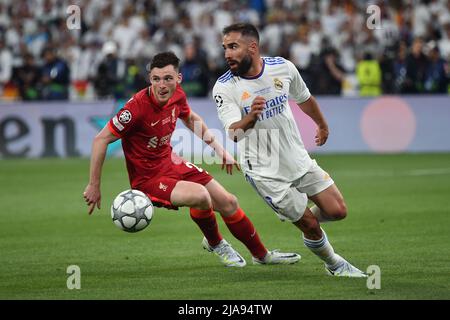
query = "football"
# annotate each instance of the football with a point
(132, 210)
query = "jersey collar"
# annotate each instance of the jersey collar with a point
(259, 74)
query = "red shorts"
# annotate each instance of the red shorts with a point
(160, 187)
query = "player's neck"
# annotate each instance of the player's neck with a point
(255, 69)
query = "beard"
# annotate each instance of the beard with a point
(243, 66)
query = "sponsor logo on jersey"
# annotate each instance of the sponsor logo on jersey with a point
(164, 140)
(219, 101)
(154, 123)
(245, 96)
(272, 108)
(152, 142)
(166, 120)
(278, 84)
(125, 116)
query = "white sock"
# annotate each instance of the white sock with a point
(323, 249)
(319, 215)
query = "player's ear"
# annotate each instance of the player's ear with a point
(253, 47)
(179, 78)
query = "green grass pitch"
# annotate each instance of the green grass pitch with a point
(399, 219)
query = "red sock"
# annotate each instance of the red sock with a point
(242, 228)
(206, 220)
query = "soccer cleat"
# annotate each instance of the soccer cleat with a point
(345, 269)
(276, 257)
(228, 256)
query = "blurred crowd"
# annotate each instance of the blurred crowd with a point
(341, 47)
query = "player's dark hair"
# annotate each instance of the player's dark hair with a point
(246, 29)
(164, 59)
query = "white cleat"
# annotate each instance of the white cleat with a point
(345, 269)
(228, 256)
(276, 257)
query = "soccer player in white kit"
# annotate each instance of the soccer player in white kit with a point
(252, 103)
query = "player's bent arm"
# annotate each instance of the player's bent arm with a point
(237, 129)
(312, 109)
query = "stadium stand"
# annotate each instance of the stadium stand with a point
(341, 47)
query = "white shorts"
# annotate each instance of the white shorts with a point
(289, 199)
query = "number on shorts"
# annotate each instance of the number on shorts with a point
(190, 165)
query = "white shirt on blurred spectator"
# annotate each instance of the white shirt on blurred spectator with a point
(246, 14)
(271, 37)
(444, 43)
(332, 21)
(440, 9)
(210, 36)
(167, 10)
(6, 64)
(143, 47)
(197, 9)
(388, 34)
(4, 17)
(222, 15)
(301, 51)
(421, 18)
(86, 65)
(124, 34)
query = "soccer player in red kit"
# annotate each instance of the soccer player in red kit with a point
(145, 125)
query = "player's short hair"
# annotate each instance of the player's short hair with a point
(164, 59)
(246, 29)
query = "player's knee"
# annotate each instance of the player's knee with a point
(340, 211)
(201, 198)
(229, 205)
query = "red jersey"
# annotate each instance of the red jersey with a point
(145, 129)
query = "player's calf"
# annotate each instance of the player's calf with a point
(309, 225)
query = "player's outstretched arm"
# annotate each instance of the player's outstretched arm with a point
(92, 194)
(312, 109)
(196, 124)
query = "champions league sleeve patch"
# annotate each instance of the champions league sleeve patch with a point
(219, 101)
(125, 116)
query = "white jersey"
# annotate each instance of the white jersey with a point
(274, 149)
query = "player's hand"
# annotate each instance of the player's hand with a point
(257, 106)
(92, 196)
(321, 136)
(228, 162)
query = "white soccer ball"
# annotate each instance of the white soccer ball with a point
(132, 210)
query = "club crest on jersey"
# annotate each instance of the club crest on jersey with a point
(174, 118)
(278, 84)
(125, 116)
